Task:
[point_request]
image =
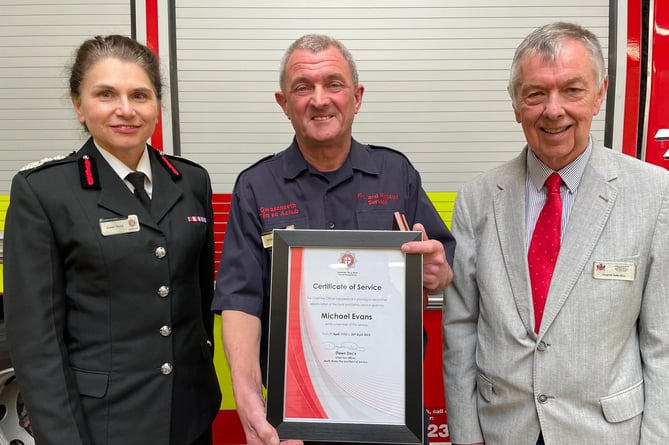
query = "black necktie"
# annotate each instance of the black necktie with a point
(137, 181)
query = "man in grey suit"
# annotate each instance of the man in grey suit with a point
(591, 366)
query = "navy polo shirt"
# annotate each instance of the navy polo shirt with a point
(284, 190)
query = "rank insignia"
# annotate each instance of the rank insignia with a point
(88, 173)
(171, 169)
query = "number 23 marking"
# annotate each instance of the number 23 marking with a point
(437, 430)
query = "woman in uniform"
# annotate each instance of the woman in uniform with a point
(109, 271)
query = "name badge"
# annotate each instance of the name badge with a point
(268, 237)
(117, 226)
(613, 271)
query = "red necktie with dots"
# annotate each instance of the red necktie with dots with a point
(544, 246)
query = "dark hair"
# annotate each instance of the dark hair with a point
(546, 42)
(117, 47)
(317, 43)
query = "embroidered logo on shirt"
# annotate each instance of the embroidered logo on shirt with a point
(278, 210)
(376, 199)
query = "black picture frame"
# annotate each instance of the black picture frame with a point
(412, 430)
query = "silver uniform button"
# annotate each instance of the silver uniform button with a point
(160, 252)
(163, 291)
(166, 368)
(165, 331)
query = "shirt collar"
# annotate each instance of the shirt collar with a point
(358, 159)
(571, 174)
(121, 169)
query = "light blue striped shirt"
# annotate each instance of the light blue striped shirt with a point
(535, 192)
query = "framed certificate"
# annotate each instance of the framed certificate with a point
(346, 337)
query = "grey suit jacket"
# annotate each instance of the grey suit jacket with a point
(598, 370)
(109, 334)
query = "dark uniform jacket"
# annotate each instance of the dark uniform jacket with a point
(110, 336)
(282, 190)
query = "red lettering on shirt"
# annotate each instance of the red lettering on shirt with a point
(376, 199)
(278, 211)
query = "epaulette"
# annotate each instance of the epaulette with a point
(165, 162)
(381, 147)
(45, 162)
(259, 161)
(88, 173)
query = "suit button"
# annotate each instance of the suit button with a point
(163, 291)
(160, 252)
(166, 368)
(541, 347)
(165, 331)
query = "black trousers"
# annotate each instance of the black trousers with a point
(204, 439)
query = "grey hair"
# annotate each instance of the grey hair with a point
(317, 43)
(546, 42)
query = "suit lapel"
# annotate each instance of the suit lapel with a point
(165, 192)
(593, 205)
(116, 197)
(113, 194)
(509, 211)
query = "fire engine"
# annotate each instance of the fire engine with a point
(435, 75)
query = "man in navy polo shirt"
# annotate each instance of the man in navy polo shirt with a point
(324, 180)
